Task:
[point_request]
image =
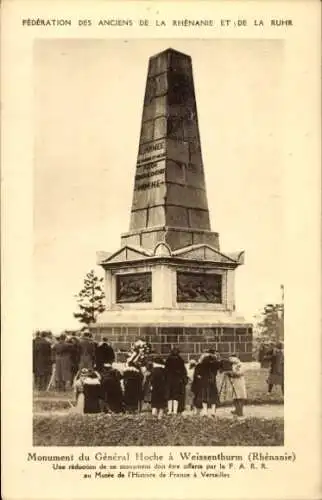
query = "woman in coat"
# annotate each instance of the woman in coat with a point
(133, 387)
(176, 380)
(111, 391)
(238, 383)
(204, 385)
(158, 388)
(92, 392)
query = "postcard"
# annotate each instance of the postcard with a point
(160, 250)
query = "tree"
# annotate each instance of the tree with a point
(270, 326)
(90, 299)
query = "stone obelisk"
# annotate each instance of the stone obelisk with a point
(170, 283)
(170, 201)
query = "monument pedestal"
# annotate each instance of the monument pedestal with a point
(185, 298)
(192, 331)
(170, 284)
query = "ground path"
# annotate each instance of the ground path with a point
(250, 411)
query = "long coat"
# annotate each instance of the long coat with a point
(158, 387)
(133, 388)
(238, 380)
(42, 357)
(204, 384)
(176, 377)
(111, 392)
(276, 375)
(104, 354)
(74, 354)
(87, 353)
(92, 394)
(62, 354)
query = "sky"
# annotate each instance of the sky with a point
(88, 100)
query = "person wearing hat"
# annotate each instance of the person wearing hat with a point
(276, 374)
(158, 388)
(236, 375)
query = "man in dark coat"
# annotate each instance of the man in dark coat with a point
(104, 354)
(42, 361)
(176, 380)
(111, 391)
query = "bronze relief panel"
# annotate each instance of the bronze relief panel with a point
(199, 287)
(136, 287)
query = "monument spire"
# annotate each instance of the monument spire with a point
(169, 200)
(169, 283)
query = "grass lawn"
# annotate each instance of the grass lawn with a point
(144, 430)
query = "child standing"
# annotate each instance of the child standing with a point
(239, 385)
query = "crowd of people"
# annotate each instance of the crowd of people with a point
(146, 380)
(67, 354)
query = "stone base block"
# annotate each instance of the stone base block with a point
(191, 340)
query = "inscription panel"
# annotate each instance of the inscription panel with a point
(136, 287)
(199, 287)
(151, 152)
(149, 175)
